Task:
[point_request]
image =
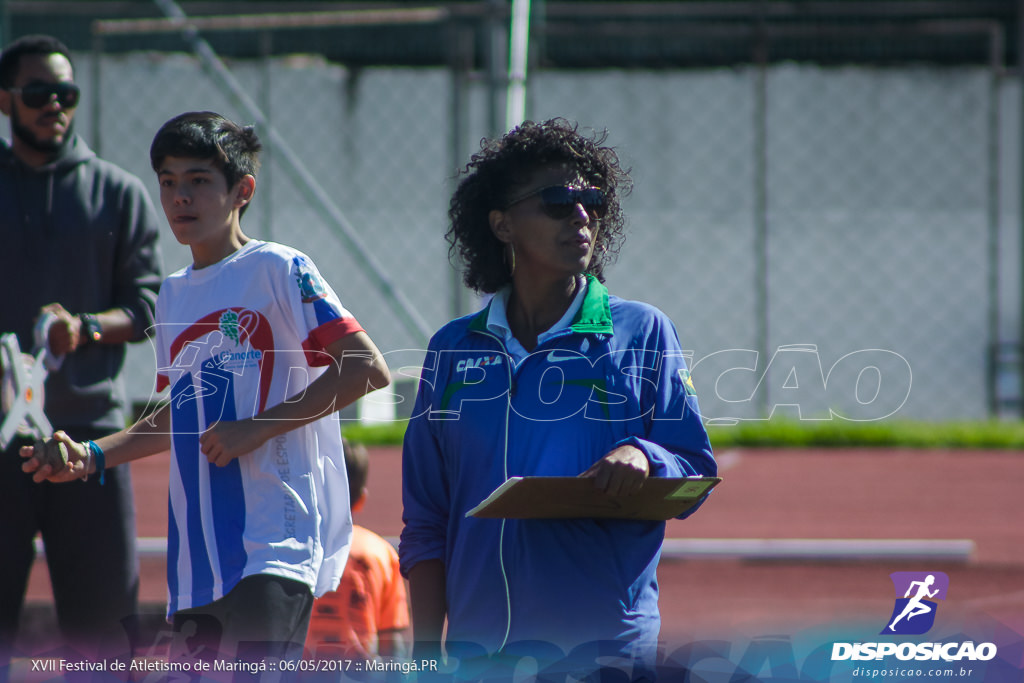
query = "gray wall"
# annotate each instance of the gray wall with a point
(879, 203)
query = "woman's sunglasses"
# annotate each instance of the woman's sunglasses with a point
(38, 95)
(559, 201)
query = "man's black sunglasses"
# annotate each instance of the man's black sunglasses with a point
(38, 95)
(559, 201)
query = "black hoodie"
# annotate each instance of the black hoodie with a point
(80, 232)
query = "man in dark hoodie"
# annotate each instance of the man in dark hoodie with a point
(81, 269)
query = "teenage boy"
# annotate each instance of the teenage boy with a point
(258, 353)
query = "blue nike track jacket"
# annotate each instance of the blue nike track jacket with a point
(616, 376)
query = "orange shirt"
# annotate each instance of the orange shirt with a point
(370, 598)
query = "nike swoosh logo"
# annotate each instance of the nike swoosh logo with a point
(558, 356)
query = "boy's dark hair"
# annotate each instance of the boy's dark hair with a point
(501, 168)
(234, 149)
(10, 60)
(357, 465)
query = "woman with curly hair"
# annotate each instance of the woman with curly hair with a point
(555, 377)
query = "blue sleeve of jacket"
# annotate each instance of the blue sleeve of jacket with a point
(676, 443)
(425, 492)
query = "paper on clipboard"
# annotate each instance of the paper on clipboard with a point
(661, 498)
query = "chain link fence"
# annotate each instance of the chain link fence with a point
(832, 240)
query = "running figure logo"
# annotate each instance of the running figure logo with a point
(914, 613)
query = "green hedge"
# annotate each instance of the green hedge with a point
(385, 434)
(807, 433)
(884, 434)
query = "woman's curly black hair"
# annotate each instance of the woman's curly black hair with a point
(500, 170)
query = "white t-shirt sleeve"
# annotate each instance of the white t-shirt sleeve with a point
(317, 310)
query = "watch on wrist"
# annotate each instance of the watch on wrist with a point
(91, 331)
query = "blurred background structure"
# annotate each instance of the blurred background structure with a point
(827, 194)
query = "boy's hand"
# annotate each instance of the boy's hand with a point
(225, 441)
(621, 472)
(58, 460)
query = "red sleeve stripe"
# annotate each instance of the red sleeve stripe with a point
(324, 336)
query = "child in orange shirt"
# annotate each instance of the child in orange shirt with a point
(368, 614)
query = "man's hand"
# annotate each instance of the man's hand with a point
(621, 472)
(225, 441)
(36, 463)
(66, 331)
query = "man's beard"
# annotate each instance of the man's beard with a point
(26, 136)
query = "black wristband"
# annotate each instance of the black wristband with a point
(91, 331)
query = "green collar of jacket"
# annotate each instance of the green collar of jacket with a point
(594, 316)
